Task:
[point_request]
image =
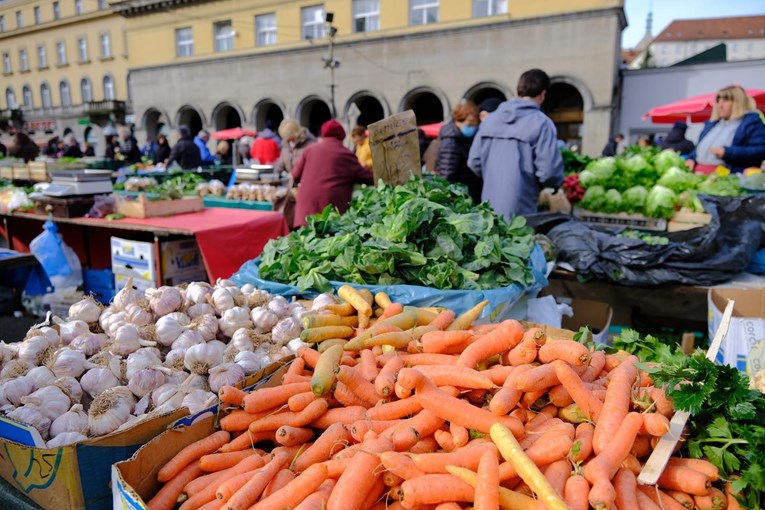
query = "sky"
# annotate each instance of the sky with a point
(665, 11)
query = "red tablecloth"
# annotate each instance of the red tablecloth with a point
(227, 238)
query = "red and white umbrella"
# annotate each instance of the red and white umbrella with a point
(694, 109)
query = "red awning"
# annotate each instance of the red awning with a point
(431, 130)
(236, 133)
(694, 109)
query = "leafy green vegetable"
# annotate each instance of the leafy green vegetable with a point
(574, 162)
(689, 201)
(613, 201)
(600, 171)
(679, 180)
(725, 186)
(647, 349)
(667, 159)
(635, 170)
(424, 232)
(594, 198)
(633, 199)
(647, 238)
(660, 202)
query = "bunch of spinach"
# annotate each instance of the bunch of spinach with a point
(424, 232)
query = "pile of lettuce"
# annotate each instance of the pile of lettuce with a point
(649, 183)
(424, 232)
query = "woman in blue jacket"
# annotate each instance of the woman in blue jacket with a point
(733, 137)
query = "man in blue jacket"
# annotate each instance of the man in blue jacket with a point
(201, 142)
(515, 150)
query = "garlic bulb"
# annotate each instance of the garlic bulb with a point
(65, 439)
(257, 298)
(242, 340)
(263, 319)
(293, 345)
(182, 318)
(322, 300)
(251, 361)
(222, 300)
(127, 339)
(279, 306)
(224, 282)
(200, 358)
(7, 352)
(164, 300)
(230, 353)
(285, 330)
(97, 380)
(89, 343)
(247, 288)
(233, 319)
(71, 388)
(140, 359)
(85, 309)
(174, 358)
(116, 320)
(198, 400)
(74, 420)
(41, 376)
(15, 389)
(15, 368)
(207, 325)
(167, 394)
(68, 361)
(138, 315)
(198, 309)
(51, 401)
(141, 407)
(70, 330)
(226, 374)
(105, 317)
(50, 333)
(33, 416)
(177, 376)
(187, 339)
(167, 330)
(128, 295)
(197, 292)
(109, 411)
(146, 380)
(34, 349)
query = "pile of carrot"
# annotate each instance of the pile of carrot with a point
(414, 408)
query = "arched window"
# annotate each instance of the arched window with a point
(45, 95)
(10, 99)
(66, 95)
(108, 88)
(86, 90)
(26, 94)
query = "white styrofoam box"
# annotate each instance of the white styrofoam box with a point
(741, 347)
(139, 283)
(181, 258)
(135, 256)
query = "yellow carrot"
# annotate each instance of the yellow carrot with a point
(465, 320)
(314, 335)
(324, 374)
(509, 500)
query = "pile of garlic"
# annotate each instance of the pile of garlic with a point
(105, 369)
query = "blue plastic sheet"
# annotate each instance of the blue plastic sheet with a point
(757, 265)
(501, 300)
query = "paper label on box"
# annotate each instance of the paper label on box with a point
(121, 498)
(743, 334)
(135, 256)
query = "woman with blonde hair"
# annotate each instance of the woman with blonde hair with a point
(295, 138)
(733, 137)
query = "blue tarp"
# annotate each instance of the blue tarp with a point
(32, 279)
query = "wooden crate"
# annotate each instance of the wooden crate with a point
(38, 170)
(6, 172)
(142, 207)
(636, 221)
(21, 173)
(687, 220)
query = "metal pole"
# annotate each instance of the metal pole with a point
(332, 70)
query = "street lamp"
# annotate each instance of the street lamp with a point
(330, 61)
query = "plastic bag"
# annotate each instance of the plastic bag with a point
(60, 262)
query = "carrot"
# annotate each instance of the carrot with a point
(523, 353)
(589, 404)
(487, 486)
(582, 447)
(296, 490)
(310, 356)
(249, 493)
(367, 295)
(625, 486)
(383, 300)
(663, 500)
(219, 461)
(505, 337)
(326, 344)
(551, 447)
(229, 486)
(348, 398)
(438, 341)
(360, 386)
(467, 456)
(597, 362)
(394, 410)
(615, 407)
(701, 465)
(406, 433)
(352, 296)
(361, 427)
(368, 365)
(460, 435)
(324, 374)
(345, 415)
(644, 502)
(684, 499)
(434, 489)
(732, 500)
(250, 463)
(296, 367)
(391, 310)
(444, 440)
(398, 339)
(332, 440)
(358, 478)
(511, 451)
(247, 439)
(231, 395)
(575, 492)
(443, 319)
(167, 496)
(508, 499)
(508, 396)
(318, 500)
(655, 424)
(570, 351)
(425, 445)
(211, 505)
(458, 376)
(453, 409)
(318, 334)
(681, 478)
(386, 378)
(297, 403)
(466, 319)
(273, 421)
(192, 453)
(292, 436)
(557, 473)
(280, 479)
(239, 419)
(316, 320)
(267, 398)
(451, 505)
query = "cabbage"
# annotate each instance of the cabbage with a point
(613, 201)
(679, 180)
(601, 169)
(634, 199)
(594, 199)
(667, 159)
(587, 179)
(635, 171)
(660, 202)
(689, 201)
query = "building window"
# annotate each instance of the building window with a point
(224, 36)
(86, 91)
(61, 53)
(2, 23)
(483, 8)
(56, 10)
(78, 7)
(366, 15)
(42, 57)
(37, 15)
(82, 45)
(184, 42)
(312, 20)
(101, 5)
(106, 46)
(26, 96)
(45, 95)
(19, 20)
(23, 60)
(265, 29)
(66, 95)
(423, 12)
(108, 88)
(10, 99)
(7, 63)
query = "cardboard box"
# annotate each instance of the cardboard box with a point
(593, 314)
(181, 258)
(742, 345)
(144, 208)
(74, 476)
(133, 258)
(139, 283)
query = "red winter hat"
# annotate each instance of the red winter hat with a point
(334, 129)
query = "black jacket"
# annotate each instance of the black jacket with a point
(451, 162)
(610, 148)
(162, 152)
(186, 153)
(676, 140)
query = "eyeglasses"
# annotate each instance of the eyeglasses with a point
(724, 97)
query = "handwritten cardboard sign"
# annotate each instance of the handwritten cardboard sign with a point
(395, 148)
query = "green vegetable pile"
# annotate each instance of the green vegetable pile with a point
(424, 232)
(176, 187)
(649, 183)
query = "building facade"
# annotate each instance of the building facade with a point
(64, 68)
(230, 63)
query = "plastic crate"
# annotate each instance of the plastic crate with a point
(635, 221)
(213, 201)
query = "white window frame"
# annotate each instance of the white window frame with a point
(312, 22)
(106, 45)
(10, 99)
(223, 36)
(23, 60)
(19, 19)
(265, 29)
(483, 8)
(36, 14)
(27, 97)
(362, 11)
(7, 67)
(45, 96)
(109, 91)
(2, 23)
(56, 10)
(65, 91)
(86, 90)
(419, 10)
(78, 7)
(42, 57)
(61, 53)
(82, 49)
(184, 46)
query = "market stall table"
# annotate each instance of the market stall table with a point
(226, 237)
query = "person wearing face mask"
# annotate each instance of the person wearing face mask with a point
(295, 138)
(456, 137)
(733, 137)
(516, 152)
